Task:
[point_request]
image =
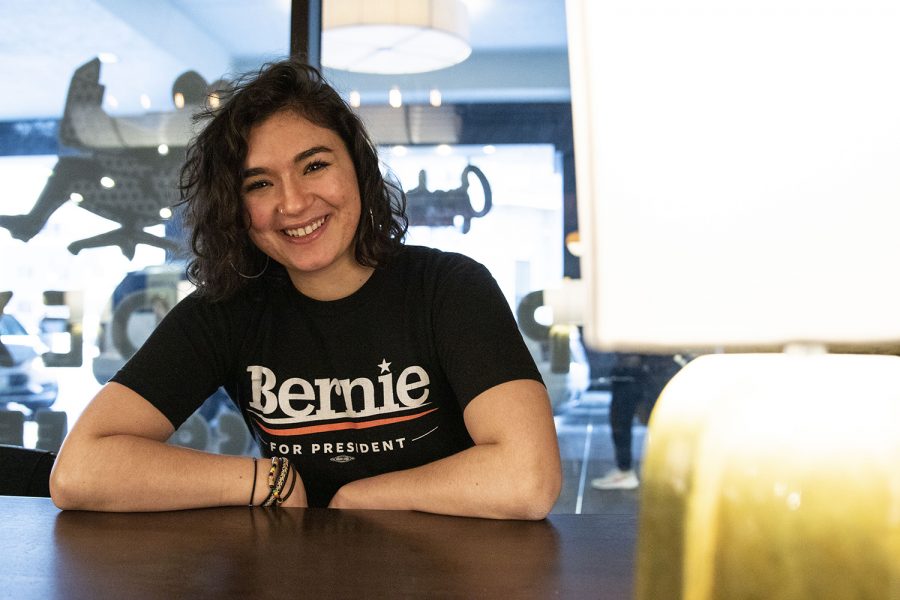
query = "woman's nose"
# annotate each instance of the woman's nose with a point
(295, 198)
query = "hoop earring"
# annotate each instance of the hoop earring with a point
(265, 266)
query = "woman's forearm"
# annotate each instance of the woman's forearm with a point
(482, 481)
(512, 472)
(130, 473)
(116, 459)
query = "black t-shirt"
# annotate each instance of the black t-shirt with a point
(347, 389)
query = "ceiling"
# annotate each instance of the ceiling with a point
(519, 52)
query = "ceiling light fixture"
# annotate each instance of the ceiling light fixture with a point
(395, 98)
(394, 36)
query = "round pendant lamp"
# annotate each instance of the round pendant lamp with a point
(394, 36)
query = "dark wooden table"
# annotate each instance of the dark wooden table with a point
(308, 553)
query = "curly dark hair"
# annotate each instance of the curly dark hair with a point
(211, 177)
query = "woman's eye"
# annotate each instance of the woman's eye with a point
(255, 185)
(316, 165)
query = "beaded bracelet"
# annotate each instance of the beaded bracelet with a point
(273, 470)
(271, 480)
(282, 479)
(280, 466)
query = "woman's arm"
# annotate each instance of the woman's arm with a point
(512, 472)
(116, 459)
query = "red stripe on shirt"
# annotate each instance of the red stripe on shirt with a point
(340, 426)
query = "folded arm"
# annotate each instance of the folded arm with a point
(116, 459)
(512, 472)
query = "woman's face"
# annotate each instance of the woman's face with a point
(302, 201)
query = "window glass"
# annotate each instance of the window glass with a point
(505, 111)
(94, 119)
(483, 147)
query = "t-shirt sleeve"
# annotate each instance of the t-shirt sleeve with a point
(182, 362)
(477, 337)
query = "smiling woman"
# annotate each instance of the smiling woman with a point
(282, 154)
(373, 374)
(302, 204)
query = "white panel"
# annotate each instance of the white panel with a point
(738, 167)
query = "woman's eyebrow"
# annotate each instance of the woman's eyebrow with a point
(300, 157)
(310, 152)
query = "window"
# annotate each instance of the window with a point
(94, 119)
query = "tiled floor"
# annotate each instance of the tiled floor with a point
(586, 448)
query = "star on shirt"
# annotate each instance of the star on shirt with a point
(385, 366)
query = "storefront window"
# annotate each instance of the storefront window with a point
(94, 119)
(483, 147)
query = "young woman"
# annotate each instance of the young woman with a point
(373, 374)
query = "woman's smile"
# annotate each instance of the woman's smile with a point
(302, 231)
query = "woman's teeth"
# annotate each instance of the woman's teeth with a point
(304, 231)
